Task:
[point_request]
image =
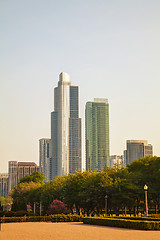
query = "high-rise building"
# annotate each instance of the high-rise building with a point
(137, 149)
(97, 134)
(117, 160)
(3, 184)
(65, 128)
(44, 157)
(18, 170)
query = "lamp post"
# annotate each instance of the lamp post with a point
(145, 189)
(106, 205)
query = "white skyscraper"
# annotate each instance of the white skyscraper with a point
(66, 143)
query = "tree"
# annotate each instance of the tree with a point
(21, 194)
(93, 191)
(52, 190)
(37, 177)
(87, 190)
(58, 207)
(147, 171)
(4, 201)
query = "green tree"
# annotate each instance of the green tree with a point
(21, 193)
(37, 177)
(27, 190)
(52, 190)
(147, 171)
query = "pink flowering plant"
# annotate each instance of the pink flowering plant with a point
(58, 207)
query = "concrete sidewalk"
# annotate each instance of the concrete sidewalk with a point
(71, 231)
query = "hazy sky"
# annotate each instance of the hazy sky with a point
(110, 49)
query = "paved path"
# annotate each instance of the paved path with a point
(71, 231)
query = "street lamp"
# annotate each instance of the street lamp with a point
(106, 205)
(145, 189)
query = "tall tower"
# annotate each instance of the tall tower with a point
(137, 149)
(97, 134)
(44, 157)
(65, 128)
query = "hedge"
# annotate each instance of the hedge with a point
(122, 223)
(135, 218)
(19, 213)
(155, 215)
(50, 218)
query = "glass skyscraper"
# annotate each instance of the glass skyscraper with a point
(44, 157)
(65, 128)
(137, 149)
(74, 131)
(97, 134)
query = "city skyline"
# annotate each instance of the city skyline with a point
(111, 50)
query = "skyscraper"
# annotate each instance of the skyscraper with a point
(44, 157)
(97, 134)
(116, 160)
(65, 128)
(137, 149)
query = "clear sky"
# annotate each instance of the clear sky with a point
(110, 49)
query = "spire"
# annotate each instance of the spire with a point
(64, 78)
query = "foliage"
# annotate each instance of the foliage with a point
(86, 191)
(20, 213)
(27, 191)
(52, 218)
(150, 218)
(21, 194)
(36, 177)
(58, 207)
(52, 190)
(147, 171)
(5, 200)
(123, 223)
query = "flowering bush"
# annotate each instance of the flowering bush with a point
(58, 207)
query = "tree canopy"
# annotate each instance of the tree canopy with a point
(37, 177)
(86, 191)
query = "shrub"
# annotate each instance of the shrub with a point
(65, 218)
(58, 207)
(154, 216)
(52, 218)
(7, 214)
(135, 218)
(123, 223)
(21, 213)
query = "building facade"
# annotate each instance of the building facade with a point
(44, 157)
(18, 170)
(97, 134)
(65, 128)
(116, 160)
(137, 149)
(3, 184)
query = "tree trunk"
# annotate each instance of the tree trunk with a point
(125, 211)
(156, 207)
(135, 211)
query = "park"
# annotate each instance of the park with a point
(117, 203)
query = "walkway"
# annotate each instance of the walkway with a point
(71, 231)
